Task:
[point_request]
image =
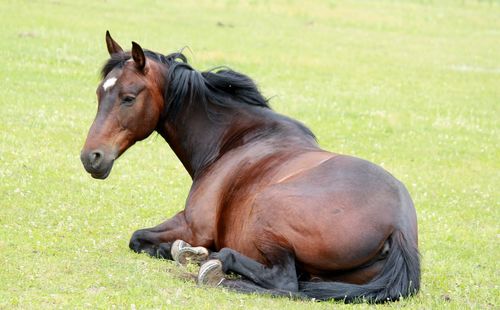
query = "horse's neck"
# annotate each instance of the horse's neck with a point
(193, 139)
(198, 141)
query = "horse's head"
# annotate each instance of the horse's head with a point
(130, 102)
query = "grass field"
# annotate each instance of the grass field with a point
(411, 85)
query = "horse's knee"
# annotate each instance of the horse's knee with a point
(139, 241)
(134, 243)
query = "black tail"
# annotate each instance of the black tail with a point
(400, 277)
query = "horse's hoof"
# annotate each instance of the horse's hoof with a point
(211, 273)
(183, 253)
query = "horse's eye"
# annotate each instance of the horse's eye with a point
(128, 100)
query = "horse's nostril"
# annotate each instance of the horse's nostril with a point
(96, 158)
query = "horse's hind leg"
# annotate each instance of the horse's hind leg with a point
(280, 276)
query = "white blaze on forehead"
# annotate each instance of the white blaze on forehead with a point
(109, 83)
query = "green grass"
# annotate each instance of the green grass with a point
(411, 85)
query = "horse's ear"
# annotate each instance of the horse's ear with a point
(113, 47)
(138, 56)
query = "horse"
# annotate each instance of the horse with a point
(266, 202)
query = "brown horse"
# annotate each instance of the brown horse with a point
(289, 217)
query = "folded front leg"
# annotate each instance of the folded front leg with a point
(157, 241)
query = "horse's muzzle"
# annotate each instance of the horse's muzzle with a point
(97, 163)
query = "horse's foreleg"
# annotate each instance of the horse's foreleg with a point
(157, 241)
(280, 276)
(144, 241)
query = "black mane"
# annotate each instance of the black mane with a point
(221, 86)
